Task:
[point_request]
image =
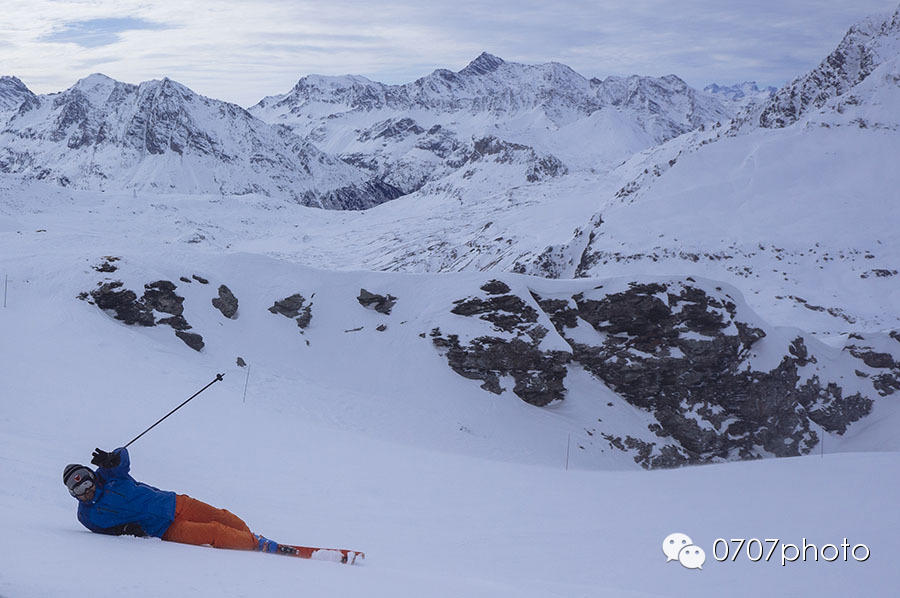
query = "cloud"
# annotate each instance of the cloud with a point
(93, 33)
(243, 50)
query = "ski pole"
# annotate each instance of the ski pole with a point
(217, 379)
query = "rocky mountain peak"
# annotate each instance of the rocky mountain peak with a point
(866, 45)
(94, 80)
(485, 63)
(8, 82)
(12, 93)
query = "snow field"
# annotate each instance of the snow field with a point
(329, 449)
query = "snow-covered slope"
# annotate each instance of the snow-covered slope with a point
(160, 136)
(796, 218)
(339, 433)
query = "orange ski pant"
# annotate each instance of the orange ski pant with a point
(199, 523)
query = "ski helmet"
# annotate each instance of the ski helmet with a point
(78, 479)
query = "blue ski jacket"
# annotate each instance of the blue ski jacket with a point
(122, 505)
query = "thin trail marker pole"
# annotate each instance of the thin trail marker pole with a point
(246, 382)
(568, 442)
(216, 379)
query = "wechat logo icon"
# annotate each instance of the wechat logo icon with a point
(679, 547)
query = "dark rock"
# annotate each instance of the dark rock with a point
(667, 351)
(296, 307)
(160, 295)
(538, 375)
(106, 267)
(185, 279)
(358, 197)
(226, 302)
(241, 362)
(495, 287)
(798, 349)
(305, 317)
(200, 279)
(505, 312)
(124, 303)
(381, 327)
(540, 167)
(878, 272)
(670, 456)
(192, 340)
(176, 322)
(886, 384)
(829, 408)
(877, 360)
(289, 307)
(380, 303)
(561, 312)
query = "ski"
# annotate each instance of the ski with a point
(335, 555)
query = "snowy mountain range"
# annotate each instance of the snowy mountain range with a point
(741, 94)
(159, 136)
(357, 142)
(549, 119)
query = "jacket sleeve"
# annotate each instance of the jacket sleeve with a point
(119, 471)
(125, 529)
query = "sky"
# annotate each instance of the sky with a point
(243, 51)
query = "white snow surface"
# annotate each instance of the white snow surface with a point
(363, 440)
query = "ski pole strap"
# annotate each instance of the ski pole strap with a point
(218, 378)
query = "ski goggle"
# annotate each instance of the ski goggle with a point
(80, 484)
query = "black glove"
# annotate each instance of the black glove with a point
(104, 459)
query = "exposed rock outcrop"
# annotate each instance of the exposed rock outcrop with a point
(683, 355)
(538, 373)
(159, 296)
(124, 303)
(191, 339)
(880, 357)
(381, 303)
(226, 302)
(679, 351)
(294, 307)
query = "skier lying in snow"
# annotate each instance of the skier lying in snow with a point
(112, 502)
